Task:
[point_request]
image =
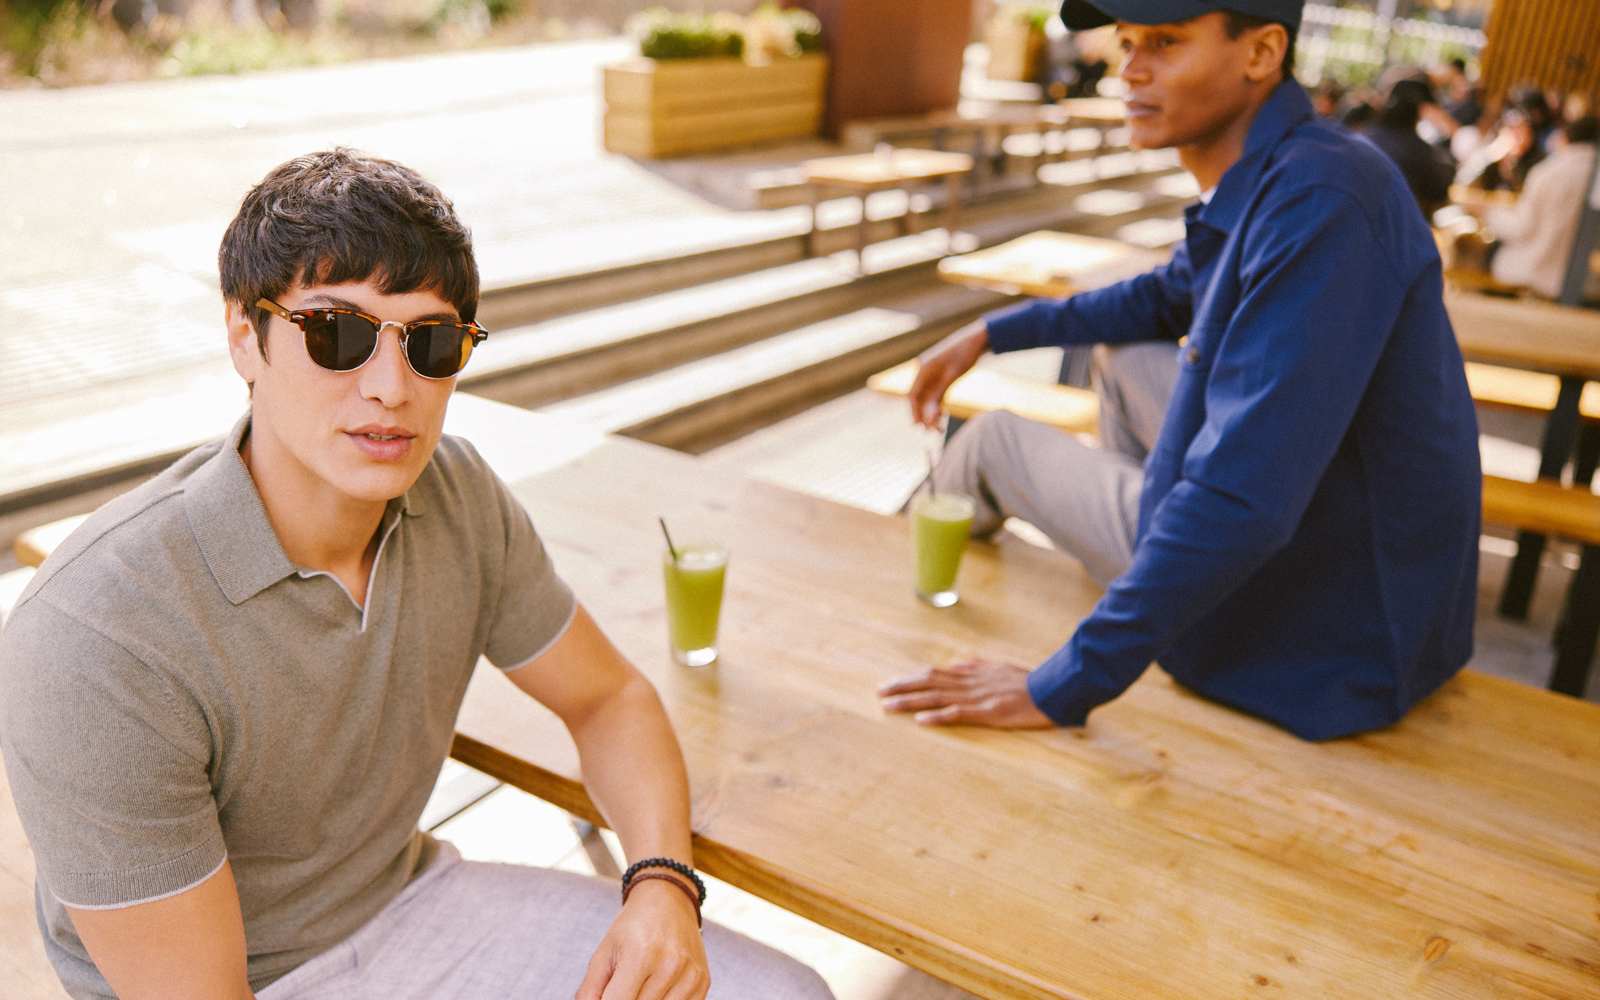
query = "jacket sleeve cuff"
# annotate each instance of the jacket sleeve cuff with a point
(1014, 328)
(1056, 688)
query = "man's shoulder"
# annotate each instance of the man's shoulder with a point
(125, 554)
(1323, 154)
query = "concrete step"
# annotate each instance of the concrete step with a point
(540, 363)
(705, 403)
(598, 330)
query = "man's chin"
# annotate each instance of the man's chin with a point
(1146, 138)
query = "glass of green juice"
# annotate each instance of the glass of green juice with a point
(941, 523)
(694, 601)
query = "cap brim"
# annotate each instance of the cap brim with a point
(1080, 15)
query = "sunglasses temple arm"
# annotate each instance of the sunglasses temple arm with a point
(273, 308)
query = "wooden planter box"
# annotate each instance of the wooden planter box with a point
(668, 107)
(1016, 51)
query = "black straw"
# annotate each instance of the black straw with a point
(664, 531)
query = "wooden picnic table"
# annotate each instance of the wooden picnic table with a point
(1096, 110)
(1049, 264)
(1541, 337)
(862, 174)
(1172, 848)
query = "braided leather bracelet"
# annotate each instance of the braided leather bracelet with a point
(663, 876)
(670, 863)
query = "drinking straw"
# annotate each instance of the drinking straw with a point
(933, 491)
(670, 549)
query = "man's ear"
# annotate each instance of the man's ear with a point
(244, 347)
(1269, 45)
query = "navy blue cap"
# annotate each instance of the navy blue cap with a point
(1079, 15)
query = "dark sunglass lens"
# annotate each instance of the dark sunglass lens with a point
(438, 350)
(339, 341)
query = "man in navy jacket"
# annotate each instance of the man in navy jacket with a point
(1304, 546)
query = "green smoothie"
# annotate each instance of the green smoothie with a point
(940, 524)
(694, 597)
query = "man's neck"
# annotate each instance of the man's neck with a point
(1210, 158)
(335, 534)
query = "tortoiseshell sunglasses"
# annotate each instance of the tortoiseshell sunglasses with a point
(342, 340)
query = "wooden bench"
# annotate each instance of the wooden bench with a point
(1549, 508)
(1077, 410)
(979, 391)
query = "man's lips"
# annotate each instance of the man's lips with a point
(381, 442)
(1141, 109)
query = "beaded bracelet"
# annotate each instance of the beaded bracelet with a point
(663, 876)
(677, 866)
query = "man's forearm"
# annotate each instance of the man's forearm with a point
(634, 772)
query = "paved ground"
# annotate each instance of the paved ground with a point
(119, 195)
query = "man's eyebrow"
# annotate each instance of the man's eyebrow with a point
(333, 300)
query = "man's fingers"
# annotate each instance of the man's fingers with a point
(627, 983)
(595, 977)
(916, 701)
(939, 716)
(900, 685)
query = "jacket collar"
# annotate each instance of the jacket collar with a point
(231, 527)
(1284, 110)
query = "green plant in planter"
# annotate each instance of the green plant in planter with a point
(1034, 15)
(665, 34)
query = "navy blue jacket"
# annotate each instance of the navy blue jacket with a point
(1307, 547)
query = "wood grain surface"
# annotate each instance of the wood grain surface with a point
(1172, 848)
(1523, 333)
(1049, 264)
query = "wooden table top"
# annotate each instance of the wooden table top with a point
(1096, 109)
(1526, 333)
(897, 166)
(1049, 264)
(1171, 849)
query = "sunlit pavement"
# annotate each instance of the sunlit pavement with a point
(117, 197)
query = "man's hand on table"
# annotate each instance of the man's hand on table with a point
(941, 365)
(653, 951)
(978, 692)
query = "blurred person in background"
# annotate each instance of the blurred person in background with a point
(1395, 132)
(1534, 236)
(1503, 163)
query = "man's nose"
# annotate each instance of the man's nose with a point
(387, 375)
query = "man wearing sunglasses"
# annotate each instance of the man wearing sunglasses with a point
(1285, 506)
(225, 699)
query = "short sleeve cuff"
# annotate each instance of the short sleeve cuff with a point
(114, 890)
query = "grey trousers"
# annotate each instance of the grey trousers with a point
(1086, 500)
(468, 930)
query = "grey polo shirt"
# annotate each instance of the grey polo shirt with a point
(175, 692)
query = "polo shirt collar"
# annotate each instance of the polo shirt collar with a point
(231, 527)
(1286, 108)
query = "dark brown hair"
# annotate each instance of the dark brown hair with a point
(339, 216)
(1238, 24)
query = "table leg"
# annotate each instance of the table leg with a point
(1560, 433)
(861, 237)
(1579, 627)
(1587, 458)
(952, 209)
(813, 191)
